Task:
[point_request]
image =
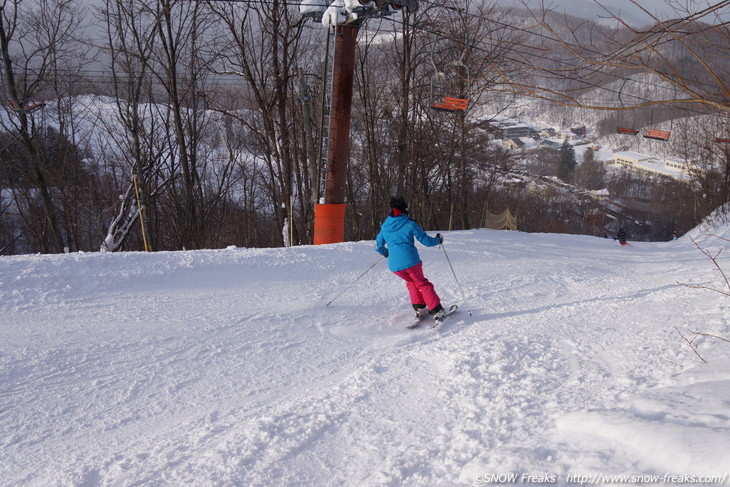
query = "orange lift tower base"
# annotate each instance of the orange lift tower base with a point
(329, 219)
(329, 223)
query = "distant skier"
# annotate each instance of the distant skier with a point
(395, 241)
(621, 236)
(674, 235)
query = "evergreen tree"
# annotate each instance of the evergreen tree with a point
(589, 156)
(567, 162)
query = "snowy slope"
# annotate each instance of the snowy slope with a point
(225, 367)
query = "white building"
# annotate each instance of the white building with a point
(672, 167)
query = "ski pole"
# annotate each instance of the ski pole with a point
(463, 296)
(358, 278)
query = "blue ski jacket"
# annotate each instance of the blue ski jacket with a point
(397, 234)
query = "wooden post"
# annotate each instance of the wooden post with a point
(139, 210)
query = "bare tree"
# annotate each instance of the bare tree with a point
(432, 157)
(714, 258)
(469, 41)
(373, 117)
(263, 49)
(649, 76)
(37, 47)
(685, 57)
(181, 68)
(135, 154)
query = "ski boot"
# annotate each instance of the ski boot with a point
(420, 310)
(439, 315)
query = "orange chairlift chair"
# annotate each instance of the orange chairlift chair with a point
(662, 135)
(655, 134)
(725, 137)
(26, 109)
(447, 103)
(450, 104)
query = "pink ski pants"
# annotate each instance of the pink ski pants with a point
(419, 288)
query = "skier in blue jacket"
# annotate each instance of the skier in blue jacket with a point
(395, 241)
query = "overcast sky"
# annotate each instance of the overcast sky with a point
(625, 9)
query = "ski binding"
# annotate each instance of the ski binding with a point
(450, 311)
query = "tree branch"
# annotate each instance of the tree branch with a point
(709, 335)
(714, 260)
(690, 345)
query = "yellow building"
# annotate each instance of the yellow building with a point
(630, 159)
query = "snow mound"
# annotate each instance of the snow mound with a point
(714, 229)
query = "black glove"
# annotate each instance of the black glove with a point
(385, 253)
(440, 237)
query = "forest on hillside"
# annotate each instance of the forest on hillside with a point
(165, 124)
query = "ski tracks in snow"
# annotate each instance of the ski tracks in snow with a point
(236, 373)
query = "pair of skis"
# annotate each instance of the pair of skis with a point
(451, 311)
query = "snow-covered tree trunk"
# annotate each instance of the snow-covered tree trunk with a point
(285, 233)
(121, 225)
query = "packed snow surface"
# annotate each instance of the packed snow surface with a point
(227, 367)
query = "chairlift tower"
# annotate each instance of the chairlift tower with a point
(329, 217)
